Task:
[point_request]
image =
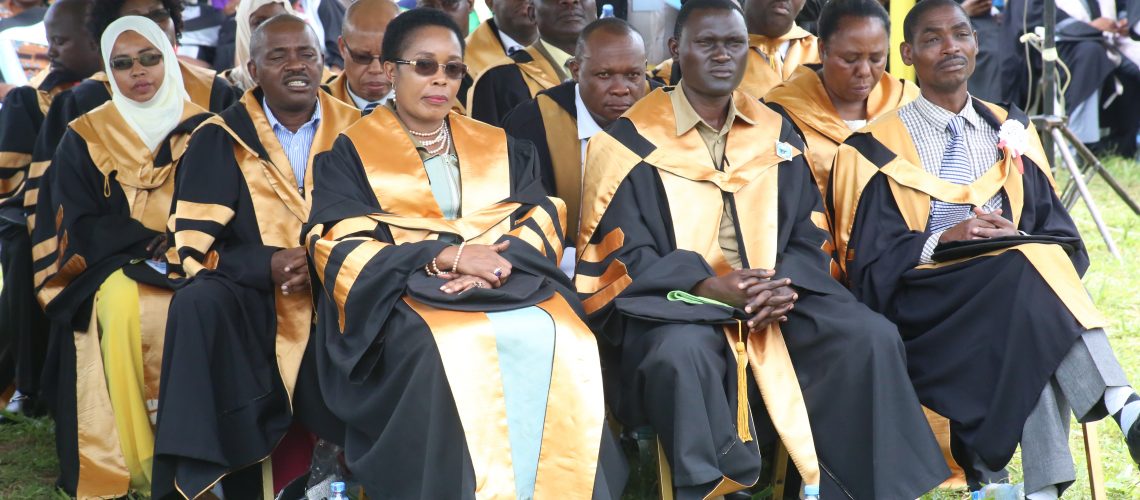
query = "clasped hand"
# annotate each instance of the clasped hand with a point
(767, 300)
(480, 266)
(289, 270)
(982, 226)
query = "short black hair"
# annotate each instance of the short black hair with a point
(611, 25)
(835, 10)
(403, 25)
(688, 6)
(105, 12)
(257, 38)
(910, 23)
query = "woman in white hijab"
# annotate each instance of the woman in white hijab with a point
(111, 201)
(250, 15)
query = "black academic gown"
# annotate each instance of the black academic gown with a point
(233, 373)
(98, 234)
(500, 88)
(983, 334)
(23, 326)
(398, 358)
(648, 228)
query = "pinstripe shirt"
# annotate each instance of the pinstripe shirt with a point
(296, 144)
(927, 124)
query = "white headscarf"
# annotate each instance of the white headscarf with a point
(239, 76)
(152, 120)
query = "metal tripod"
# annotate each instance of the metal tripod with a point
(1056, 137)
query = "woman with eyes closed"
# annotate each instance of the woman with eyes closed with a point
(849, 90)
(448, 341)
(112, 197)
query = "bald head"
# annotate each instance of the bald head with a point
(607, 29)
(369, 16)
(359, 44)
(71, 47)
(259, 42)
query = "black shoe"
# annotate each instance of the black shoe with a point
(1132, 437)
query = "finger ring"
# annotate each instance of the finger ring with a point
(498, 272)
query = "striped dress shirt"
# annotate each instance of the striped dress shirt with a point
(927, 124)
(295, 144)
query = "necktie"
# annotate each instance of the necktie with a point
(511, 50)
(956, 169)
(369, 108)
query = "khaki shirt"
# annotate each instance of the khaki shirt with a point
(715, 141)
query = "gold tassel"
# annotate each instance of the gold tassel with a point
(106, 186)
(742, 430)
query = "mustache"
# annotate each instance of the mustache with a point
(949, 59)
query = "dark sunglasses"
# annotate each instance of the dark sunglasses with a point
(361, 58)
(148, 59)
(427, 67)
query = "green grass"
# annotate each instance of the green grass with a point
(27, 453)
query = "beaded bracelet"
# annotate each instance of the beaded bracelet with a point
(458, 254)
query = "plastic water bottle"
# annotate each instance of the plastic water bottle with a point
(338, 491)
(607, 10)
(811, 492)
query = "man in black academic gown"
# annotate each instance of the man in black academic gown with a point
(232, 374)
(609, 77)
(363, 84)
(540, 66)
(699, 258)
(510, 30)
(948, 222)
(23, 326)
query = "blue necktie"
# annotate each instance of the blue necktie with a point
(369, 108)
(956, 169)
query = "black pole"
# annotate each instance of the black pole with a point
(1049, 72)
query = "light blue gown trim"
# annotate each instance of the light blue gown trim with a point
(525, 341)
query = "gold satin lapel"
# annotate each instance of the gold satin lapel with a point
(575, 409)
(466, 342)
(114, 148)
(394, 169)
(566, 154)
(696, 209)
(102, 469)
(199, 83)
(607, 164)
(339, 91)
(484, 50)
(335, 117)
(278, 170)
(484, 164)
(539, 73)
(758, 209)
(294, 323)
(775, 375)
(749, 149)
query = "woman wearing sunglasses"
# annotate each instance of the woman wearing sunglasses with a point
(111, 200)
(448, 341)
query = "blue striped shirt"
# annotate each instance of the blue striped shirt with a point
(295, 144)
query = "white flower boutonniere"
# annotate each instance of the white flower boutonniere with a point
(1014, 140)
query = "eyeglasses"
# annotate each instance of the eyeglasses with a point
(427, 67)
(361, 58)
(148, 59)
